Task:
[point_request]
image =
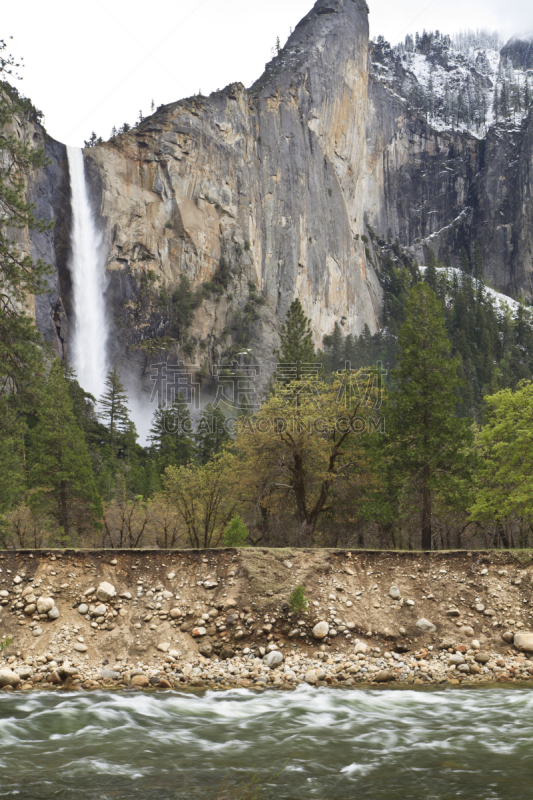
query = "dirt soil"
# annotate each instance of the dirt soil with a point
(189, 601)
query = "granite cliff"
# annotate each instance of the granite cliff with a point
(257, 196)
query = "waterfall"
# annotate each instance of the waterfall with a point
(88, 350)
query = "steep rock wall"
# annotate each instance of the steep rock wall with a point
(269, 182)
(262, 195)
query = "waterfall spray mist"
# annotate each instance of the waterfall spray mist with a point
(88, 353)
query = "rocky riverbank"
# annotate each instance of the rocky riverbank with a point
(221, 618)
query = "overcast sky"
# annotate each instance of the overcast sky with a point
(90, 66)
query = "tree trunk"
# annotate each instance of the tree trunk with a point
(426, 510)
(64, 509)
(305, 536)
(504, 538)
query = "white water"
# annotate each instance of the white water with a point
(89, 342)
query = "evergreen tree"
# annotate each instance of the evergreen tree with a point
(114, 410)
(12, 457)
(334, 346)
(211, 434)
(61, 474)
(171, 434)
(297, 348)
(427, 440)
(430, 275)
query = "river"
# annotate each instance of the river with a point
(396, 745)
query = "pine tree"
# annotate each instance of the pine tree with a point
(211, 434)
(430, 275)
(114, 410)
(61, 475)
(12, 457)
(171, 434)
(427, 440)
(297, 348)
(334, 345)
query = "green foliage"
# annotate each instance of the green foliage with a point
(184, 304)
(60, 475)
(211, 434)
(297, 347)
(114, 411)
(428, 444)
(298, 601)
(13, 430)
(93, 140)
(505, 443)
(171, 435)
(6, 643)
(235, 533)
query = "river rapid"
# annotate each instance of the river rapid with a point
(395, 745)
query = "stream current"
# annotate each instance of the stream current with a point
(390, 744)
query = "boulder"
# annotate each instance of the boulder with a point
(524, 641)
(311, 677)
(321, 630)
(83, 609)
(106, 592)
(453, 612)
(384, 676)
(482, 658)
(163, 647)
(44, 605)
(140, 681)
(226, 653)
(395, 593)
(53, 613)
(110, 675)
(361, 649)
(24, 673)
(205, 650)
(80, 647)
(175, 613)
(426, 626)
(98, 611)
(198, 632)
(508, 637)
(456, 658)
(273, 659)
(9, 678)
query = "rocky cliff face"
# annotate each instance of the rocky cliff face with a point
(261, 195)
(261, 191)
(519, 51)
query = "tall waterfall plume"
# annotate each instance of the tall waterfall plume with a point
(88, 354)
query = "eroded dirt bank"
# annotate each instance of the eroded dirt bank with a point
(221, 618)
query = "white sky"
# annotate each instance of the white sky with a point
(93, 65)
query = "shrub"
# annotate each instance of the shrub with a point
(298, 601)
(5, 644)
(235, 533)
